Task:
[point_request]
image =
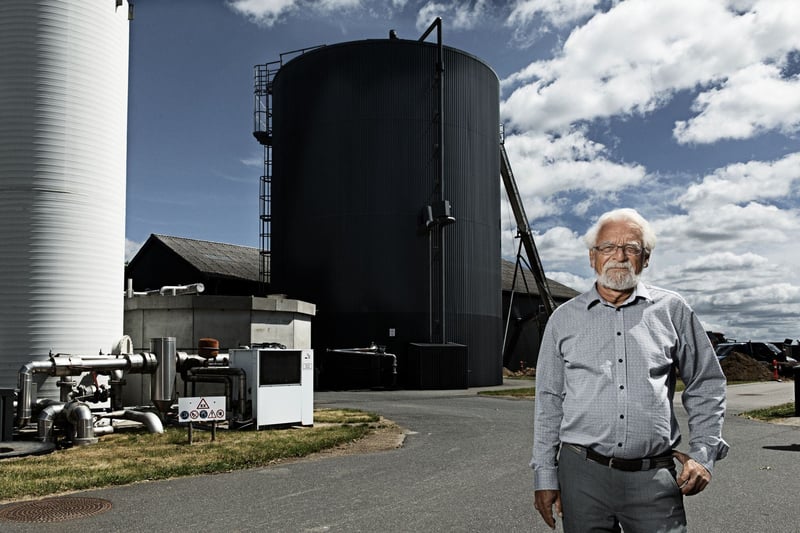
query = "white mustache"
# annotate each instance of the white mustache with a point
(617, 264)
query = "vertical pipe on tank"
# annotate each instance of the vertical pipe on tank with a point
(162, 386)
(438, 310)
(440, 227)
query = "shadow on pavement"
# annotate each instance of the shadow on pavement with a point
(789, 448)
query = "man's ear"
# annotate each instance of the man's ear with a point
(591, 259)
(645, 260)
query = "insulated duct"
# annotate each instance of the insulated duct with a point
(162, 389)
(69, 365)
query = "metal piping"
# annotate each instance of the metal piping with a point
(193, 378)
(68, 365)
(184, 289)
(162, 385)
(438, 237)
(116, 381)
(80, 417)
(25, 384)
(378, 351)
(46, 420)
(226, 372)
(150, 420)
(103, 430)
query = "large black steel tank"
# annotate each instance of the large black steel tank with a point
(354, 164)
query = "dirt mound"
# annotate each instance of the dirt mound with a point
(525, 372)
(741, 367)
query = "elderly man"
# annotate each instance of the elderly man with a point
(605, 431)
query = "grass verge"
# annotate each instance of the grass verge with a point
(522, 392)
(768, 414)
(129, 456)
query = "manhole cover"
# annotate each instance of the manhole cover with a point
(54, 509)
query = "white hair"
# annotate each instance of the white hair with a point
(623, 215)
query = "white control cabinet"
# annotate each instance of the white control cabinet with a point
(280, 384)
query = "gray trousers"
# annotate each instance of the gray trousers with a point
(596, 498)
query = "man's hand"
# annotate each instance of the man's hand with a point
(543, 502)
(694, 477)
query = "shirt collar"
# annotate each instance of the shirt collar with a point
(592, 297)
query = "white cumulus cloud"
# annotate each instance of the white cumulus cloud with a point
(459, 15)
(635, 57)
(559, 13)
(744, 182)
(752, 100)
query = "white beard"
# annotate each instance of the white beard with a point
(618, 281)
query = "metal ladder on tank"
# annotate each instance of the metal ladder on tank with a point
(262, 131)
(263, 75)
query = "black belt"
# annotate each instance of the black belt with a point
(629, 465)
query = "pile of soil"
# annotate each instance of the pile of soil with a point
(741, 367)
(525, 372)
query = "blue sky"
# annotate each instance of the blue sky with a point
(687, 110)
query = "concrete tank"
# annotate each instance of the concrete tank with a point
(355, 163)
(63, 136)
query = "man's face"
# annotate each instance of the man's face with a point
(618, 270)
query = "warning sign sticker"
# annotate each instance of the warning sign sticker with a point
(203, 409)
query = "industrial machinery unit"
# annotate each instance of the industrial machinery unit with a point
(280, 386)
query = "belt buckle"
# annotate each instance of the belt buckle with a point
(611, 462)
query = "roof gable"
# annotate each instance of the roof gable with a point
(215, 258)
(559, 291)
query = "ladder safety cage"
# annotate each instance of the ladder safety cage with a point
(263, 75)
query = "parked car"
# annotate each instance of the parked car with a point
(764, 352)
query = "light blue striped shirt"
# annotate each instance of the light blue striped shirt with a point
(605, 380)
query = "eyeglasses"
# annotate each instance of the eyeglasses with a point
(630, 250)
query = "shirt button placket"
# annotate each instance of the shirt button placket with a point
(622, 378)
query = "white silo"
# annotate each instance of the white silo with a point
(63, 136)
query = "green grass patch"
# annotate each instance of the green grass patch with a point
(344, 416)
(129, 456)
(785, 410)
(522, 392)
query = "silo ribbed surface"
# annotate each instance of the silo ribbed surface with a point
(354, 163)
(63, 135)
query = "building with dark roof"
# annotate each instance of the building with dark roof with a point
(525, 323)
(231, 270)
(224, 269)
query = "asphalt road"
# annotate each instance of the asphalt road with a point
(463, 468)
